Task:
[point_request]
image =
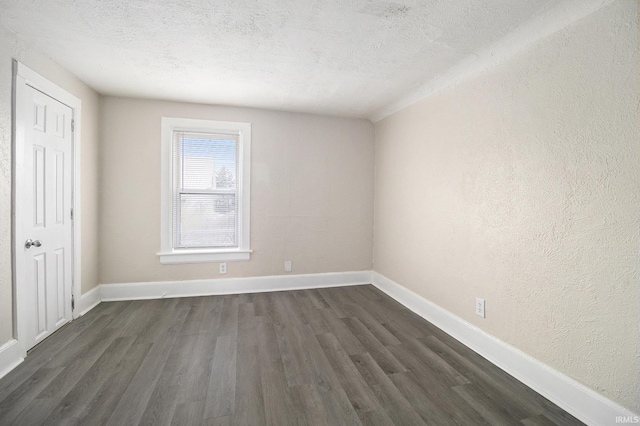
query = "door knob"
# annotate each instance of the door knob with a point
(29, 243)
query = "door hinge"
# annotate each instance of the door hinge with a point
(73, 303)
(71, 213)
(73, 125)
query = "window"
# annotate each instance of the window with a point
(205, 191)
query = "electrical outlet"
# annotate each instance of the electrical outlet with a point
(480, 307)
(223, 268)
(287, 266)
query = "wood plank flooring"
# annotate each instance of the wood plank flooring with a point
(341, 356)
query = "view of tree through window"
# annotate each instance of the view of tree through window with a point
(206, 192)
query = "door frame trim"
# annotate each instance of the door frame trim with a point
(23, 76)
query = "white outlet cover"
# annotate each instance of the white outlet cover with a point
(223, 268)
(287, 266)
(480, 307)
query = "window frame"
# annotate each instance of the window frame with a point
(169, 254)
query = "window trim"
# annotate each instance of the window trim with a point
(168, 253)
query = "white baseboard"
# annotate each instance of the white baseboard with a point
(162, 289)
(11, 355)
(575, 398)
(88, 301)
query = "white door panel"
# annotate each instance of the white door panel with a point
(45, 212)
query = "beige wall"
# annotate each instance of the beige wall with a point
(522, 187)
(13, 48)
(311, 192)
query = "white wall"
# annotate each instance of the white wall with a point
(311, 192)
(13, 48)
(522, 186)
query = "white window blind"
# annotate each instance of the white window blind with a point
(205, 191)
(205, 196)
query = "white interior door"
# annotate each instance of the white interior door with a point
(44, 228)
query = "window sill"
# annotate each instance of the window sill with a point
(203, 256)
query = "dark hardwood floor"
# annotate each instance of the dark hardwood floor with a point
(342, 356)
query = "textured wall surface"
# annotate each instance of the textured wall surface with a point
(521, 186)
(11, 47)
(311, 192)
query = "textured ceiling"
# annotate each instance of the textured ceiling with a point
(354, 58)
